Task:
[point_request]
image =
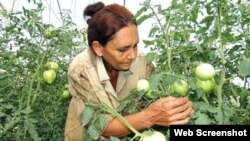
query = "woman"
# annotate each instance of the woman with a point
(109, 69)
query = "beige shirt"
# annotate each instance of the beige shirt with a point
(89, 81)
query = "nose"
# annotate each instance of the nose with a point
(132, 53)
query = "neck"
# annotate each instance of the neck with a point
(109, 68)
(113, 73)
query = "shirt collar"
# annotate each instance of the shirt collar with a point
(101, 71)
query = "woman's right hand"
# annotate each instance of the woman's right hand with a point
(168, 111)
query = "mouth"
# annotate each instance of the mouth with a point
(128, 64)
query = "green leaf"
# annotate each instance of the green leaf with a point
(200, 92)
(194, 14)
(122, 106)
(27, 111)
(114, 139)
(244, 67)
(87, 114)
(8, 106)
(219, 116)
(3, 73)
(143, 18)
(93, 132)
(235, 48)
(32, 130)
(146, 3)
(140, 11)
(100, 123)
(148, 42)
(155, 80)
(202, 119)
(168, 79)
(150, 57)
(154, 30)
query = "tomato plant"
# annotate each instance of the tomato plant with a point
(30, 108)
(178, 42)
(181, 87)
(205, 71)
(179, 38)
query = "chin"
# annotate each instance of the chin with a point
(124, 68)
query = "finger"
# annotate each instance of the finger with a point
(176, 106)
(177, 110)
(180, 122)
(167, 99)
(160, 102)
(182, 115)
(175, 122)
(192, 112)
(177, 102)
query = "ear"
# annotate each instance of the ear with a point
(97, 48)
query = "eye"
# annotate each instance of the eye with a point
(122, 49)
(135, 46)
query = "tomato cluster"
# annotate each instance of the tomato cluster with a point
(50, 75)
(144, 85)
(205, 77)
(47, 33)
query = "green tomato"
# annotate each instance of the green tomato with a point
(181, 87)
(65, 94)
(152, 136)
(49, 76)
(143, 84)
(150, 94)
(47, 33)
(207, 85)
(52, 65)
(205, 71)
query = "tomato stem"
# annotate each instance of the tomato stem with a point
(33, 80)
(167, 38)
(112, 111)
(205, 98)
(221, 52)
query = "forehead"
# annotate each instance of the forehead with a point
(126, 36)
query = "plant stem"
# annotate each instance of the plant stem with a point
(205, 99)
(33, 80)
(165, 35)
(169, 53)
(112, 111)
(158, 20)
(221, 51)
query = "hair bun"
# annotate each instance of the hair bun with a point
(90, 10)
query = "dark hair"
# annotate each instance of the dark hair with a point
(105, 21)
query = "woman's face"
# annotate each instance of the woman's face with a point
(121, 51)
